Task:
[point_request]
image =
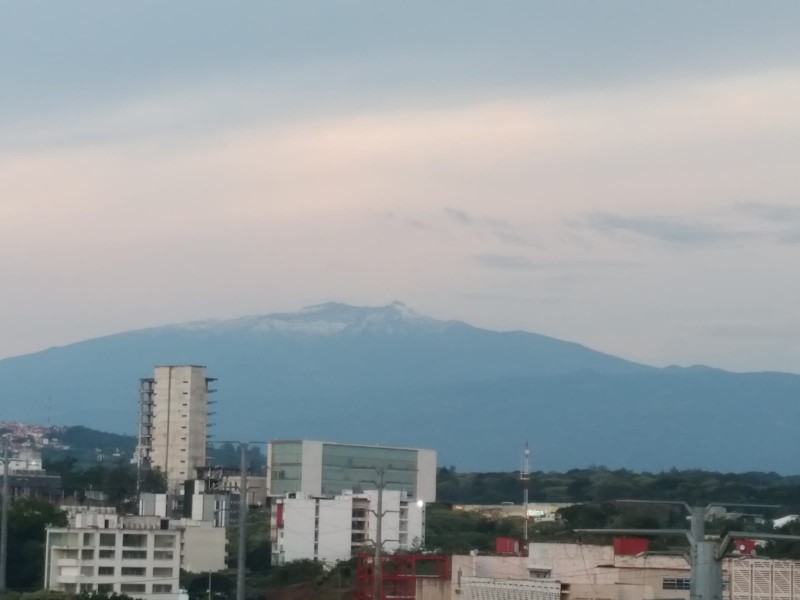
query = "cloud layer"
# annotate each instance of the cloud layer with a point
(221, 192)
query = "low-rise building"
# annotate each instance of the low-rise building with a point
(141, 556)
(334, 528)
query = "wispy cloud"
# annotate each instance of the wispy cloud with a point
(461, 217)
(789, 238)
(663, 229)
(515, 261)
(771, 212)
(500, 229)
(408, 221)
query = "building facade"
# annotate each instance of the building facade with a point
(173, 424)
(334, 528)
(325, 468)
(141, 563)
(142, 556)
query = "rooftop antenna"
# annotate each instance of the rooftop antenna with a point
(525, 478)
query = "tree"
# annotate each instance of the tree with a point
(223, 586)
(28, 519)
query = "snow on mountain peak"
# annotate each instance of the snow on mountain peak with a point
(327, 319)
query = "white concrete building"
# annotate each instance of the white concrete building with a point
(328, 468)
(219, 508)
(333, 528)
(135, 555)
(175, 434)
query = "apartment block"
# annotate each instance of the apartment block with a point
(142, 556)
(141, 563)
(173, 422)
(334, 528)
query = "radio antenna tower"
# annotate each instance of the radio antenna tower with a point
(525, 478)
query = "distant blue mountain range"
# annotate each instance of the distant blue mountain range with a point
(388, 375)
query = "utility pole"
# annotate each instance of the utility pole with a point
(242, 556)
(4, 520)
(378, 567)
(706, 553)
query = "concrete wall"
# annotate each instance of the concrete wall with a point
(296, 539)
(577, 562)
(494, 567)
(335, 518)
(426, 475)
(434, 589)
(203, 549)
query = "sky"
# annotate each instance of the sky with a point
(620, 174)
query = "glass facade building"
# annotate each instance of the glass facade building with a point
(286, 462)
(323, 468)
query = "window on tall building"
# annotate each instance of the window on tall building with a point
(134, 571)
(108, 539)
(134, 540)
(164, 541)
(133, 588)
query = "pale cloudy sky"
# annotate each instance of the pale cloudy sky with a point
(622, 174)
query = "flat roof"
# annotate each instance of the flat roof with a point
(354, 445)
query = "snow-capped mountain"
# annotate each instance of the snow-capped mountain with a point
(389, 375)
(328, 319)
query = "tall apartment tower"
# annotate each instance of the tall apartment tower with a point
(173, 422)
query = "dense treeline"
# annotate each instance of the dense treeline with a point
(594, 491)
(601, 485)
(28, 519)
(117, 480)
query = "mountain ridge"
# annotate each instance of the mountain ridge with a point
(390, 375)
